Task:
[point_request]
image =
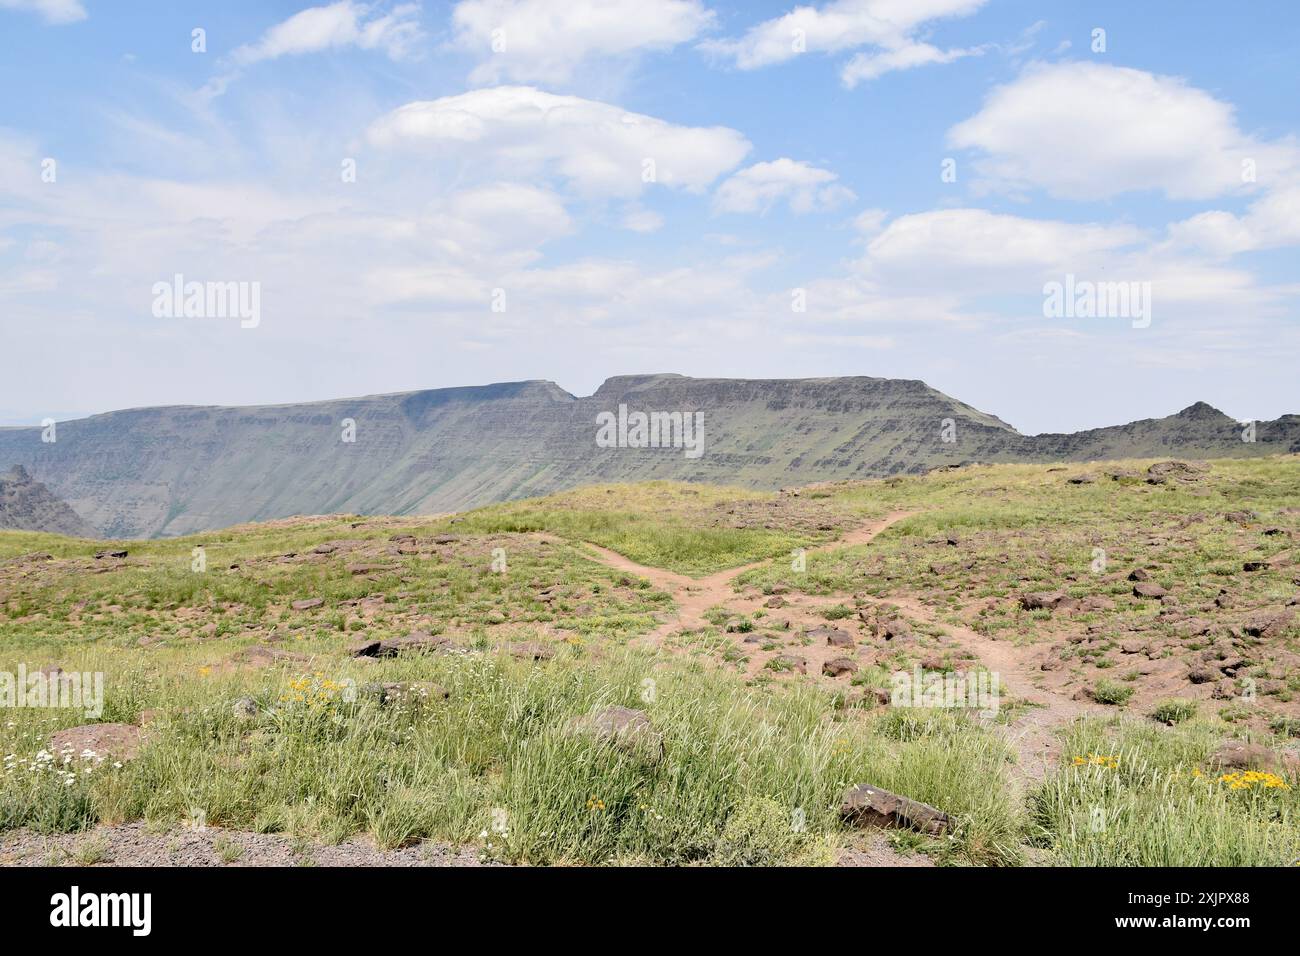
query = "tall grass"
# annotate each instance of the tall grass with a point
(1148, 802)
(499, 763)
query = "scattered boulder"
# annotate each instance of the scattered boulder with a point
(1239, 755)
(417, 642)
(1081, 480)
(1149, 589)
(839, 666)
(245, 707)
(1163, 472)
(1043, 600)
(407, 692)
(868, 806)
(1139, 574)
(102, 741)
(110, 553)
(359, 569)
(307, 604)
(324, 549)
(833, 636)
(446, 538)
(775, 601)
(1203, 675)
(1254, 565)
(1224, 689)
(261, 656)
(1095, 602)
(1267, 625)
(625, 729)
(531, 651)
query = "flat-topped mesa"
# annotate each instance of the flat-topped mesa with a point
(175, 470)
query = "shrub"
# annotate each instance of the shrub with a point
(1111, 692)
(1174, 711)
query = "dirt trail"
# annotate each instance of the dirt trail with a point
(1032, 733)
(694, 596)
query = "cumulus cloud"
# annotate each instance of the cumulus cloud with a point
(1270, 222)
(51, 11)
(972, 251)
(394, 31)
(598, 149)
(545, 40)
(758, 188)
(888, 26)
(343, 24)
(1091, 131)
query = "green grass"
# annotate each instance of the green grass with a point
(1156, 807)
(325, 767)
(692, 529)
(1111, 692)
(752, 771)
(1174, 711)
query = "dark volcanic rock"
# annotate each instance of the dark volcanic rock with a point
(868, 806)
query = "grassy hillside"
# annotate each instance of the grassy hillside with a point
(257, 714)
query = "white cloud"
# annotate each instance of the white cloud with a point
(890, 26)
(393, 31)
(869, 66)
(1270, 222)
(950, 260)
(1091, 131)
(759, 187)
(599, 149)
(947, 239)
(51, 11)
(343, 24)
(544, 40)
(869, 222)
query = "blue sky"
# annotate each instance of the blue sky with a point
(778, 173)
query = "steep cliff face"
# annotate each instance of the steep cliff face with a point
(167, 471)
(27, 505)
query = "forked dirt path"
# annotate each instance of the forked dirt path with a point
(694, 596)
(1032, 733)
